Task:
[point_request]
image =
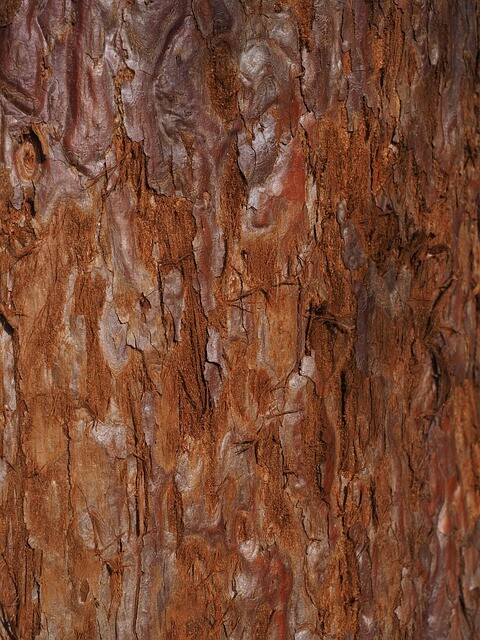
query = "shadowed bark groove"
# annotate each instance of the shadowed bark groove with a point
(239, 302)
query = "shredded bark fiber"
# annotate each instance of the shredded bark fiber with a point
(239, 306)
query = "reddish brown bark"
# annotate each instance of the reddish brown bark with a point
(239, 284)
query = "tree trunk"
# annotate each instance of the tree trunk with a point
(240, 297)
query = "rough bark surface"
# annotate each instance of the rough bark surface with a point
(239, 287)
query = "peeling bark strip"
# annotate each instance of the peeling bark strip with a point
(239, 287)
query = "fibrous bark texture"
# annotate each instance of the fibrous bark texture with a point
(239, 288)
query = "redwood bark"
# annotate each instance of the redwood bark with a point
(239, 289)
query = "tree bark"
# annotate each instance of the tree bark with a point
(239, 288)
